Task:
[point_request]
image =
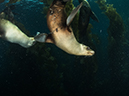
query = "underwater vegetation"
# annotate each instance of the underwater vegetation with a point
(56, 79)
(37, 62)
(88, 66)
(1, 1)
(116, 29)
(116, 40)
(10, 1)
(46, 2)
(102, 4)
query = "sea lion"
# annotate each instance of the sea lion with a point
(13, 34)
(84, 16)
(61, 33)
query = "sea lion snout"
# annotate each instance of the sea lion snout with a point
(90, 53)
(86, 50)
(31, 42)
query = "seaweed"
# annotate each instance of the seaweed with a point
(102, 4)
(1, 1)
(86, 68)
(12, 1)
(46, 2)
(90, 36)
(116, 39)
(116, 29)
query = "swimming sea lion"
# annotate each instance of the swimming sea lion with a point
(13, 34)
(84, 16)
(61, 32)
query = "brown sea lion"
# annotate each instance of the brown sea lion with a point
(61, 33)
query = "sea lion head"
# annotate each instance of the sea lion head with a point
(86, 51)
(31, 42)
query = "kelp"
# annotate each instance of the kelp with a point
(90, 36)
(45, 10)
(46, 2)
(10, 2)
(1, 1)
(102, 4)
(87, 67)
(116, 28)
(116, 39)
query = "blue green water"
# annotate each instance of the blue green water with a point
(22, 75)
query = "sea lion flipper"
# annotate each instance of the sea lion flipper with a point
(73, 14)
(43, 37)
(40, 37)
(94, 17)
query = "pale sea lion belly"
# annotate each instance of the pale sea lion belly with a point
(13, 34)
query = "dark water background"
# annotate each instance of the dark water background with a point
(20, 75)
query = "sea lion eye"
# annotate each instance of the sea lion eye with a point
(88, 48)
